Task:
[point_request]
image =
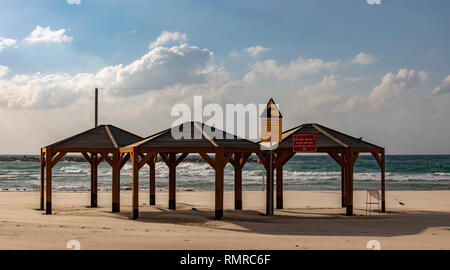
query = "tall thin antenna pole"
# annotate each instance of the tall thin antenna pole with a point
(96, 107)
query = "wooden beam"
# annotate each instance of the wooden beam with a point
(94, 188)
(181, 158)
(87, 157)
(135, 184)
(145, 159)
(57, 158)
(228, 157)
(208, 159)
(279, 170)
(164, 158)
(263, 159)
(42, 193)
(237, 181)
(219, 168)
(377, 158)
(343, 168)
(100, 160)
(152, 176)
(172, 180)
(116, 182)
(339, 159)
(106, 157)
(48, 165)
(282, 158)
(124, 159)
(383, 181)
(349, 181)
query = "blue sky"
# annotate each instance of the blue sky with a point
(392, 36)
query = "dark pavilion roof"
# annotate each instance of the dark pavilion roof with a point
(201, 136)
(102, 136)
(325, 138)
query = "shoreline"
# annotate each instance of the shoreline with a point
(310, 220)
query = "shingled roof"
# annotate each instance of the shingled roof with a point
(325, 138)
(102, 137)
(201, 136)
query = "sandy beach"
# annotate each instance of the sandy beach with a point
(310, 220)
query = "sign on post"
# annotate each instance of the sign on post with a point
(304, 143)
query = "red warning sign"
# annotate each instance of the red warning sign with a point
(304, 143)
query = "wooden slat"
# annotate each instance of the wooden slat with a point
(181, 158)
(124, 159)
(107, 159)
(113, 140)
(377, 158)
(340, 160)
(329, 136)
(208, 159)
(211, 140)
(57, 158)
(164, 158)
(87, 157)
(145, 159)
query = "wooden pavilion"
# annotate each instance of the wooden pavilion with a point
(201, 139)
(98, 144)
(344, 149)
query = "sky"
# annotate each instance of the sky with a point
(377, 69)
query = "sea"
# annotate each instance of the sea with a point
(302, 172)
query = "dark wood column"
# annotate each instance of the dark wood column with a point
(383, 181)
(48, 165)
(238, 163)
(269, 186)
(116, 182)
(351, 157)
(172, 180)
(343, 186)
(134, 155)
(280, 187)
(94, 158)
(152, 184)
(42, 192)
(219, 167)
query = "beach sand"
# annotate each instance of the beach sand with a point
(310, 220)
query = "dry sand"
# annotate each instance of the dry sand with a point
(310, 220)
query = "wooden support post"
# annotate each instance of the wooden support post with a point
(135, 185)
(172, 180)
(350, 161)
(116, 182)
(269, 187)
(280, 187)
(152, 181)
(219, 167)
(343, 184)
(237, 182)
(383, 181)
(94, 157)
(42, 192)
(48, 165)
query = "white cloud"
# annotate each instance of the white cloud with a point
(328, 83)
(179, 66)
(167, 37)
(444, 87)
(233, 54)
(270, 69)
(364, 59)
(374, 2)
(393, 85)
(41, 34)
(3, 70)
(6, 42)
(255, 50)
(73, 2)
